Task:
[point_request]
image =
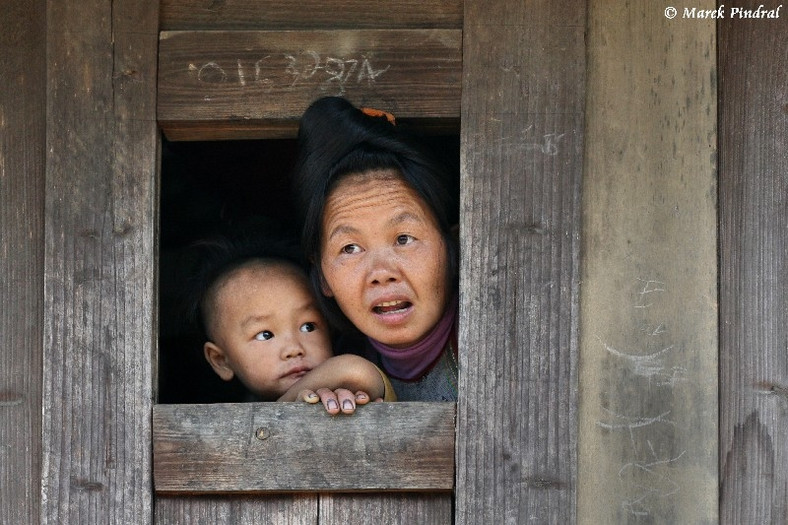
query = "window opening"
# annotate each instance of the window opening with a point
(207, 187)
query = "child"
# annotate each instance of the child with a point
(263, 326)
(375, 225)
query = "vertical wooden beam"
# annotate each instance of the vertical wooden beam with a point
(648, 366)
(753, 60)
(521, 165)
(22, 146)
(99, 287)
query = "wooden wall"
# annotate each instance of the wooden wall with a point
(22, 143)
(99, 265)
(609, 106)
(521, 161)
(648, 381)
(753, 70)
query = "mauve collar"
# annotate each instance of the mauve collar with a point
(411, 362)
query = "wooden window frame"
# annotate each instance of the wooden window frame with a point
(207, 74)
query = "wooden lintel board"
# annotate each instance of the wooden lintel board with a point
(310, 14)
(256, 84)
(295, 447)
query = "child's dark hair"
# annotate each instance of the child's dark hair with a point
(213, 258)
(336, 139)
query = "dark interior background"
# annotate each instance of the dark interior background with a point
(209, 188)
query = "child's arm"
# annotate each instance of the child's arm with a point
(335, 380)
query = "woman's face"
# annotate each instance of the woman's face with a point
(383, 258)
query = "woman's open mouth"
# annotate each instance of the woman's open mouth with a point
(392, 307)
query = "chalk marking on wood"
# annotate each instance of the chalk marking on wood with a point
(522, 142)
(335, 73)
(652, 365)
(631, 423)
(651, 331)
(241, 75)
(258, 76)
(662, 485)
(649, 286)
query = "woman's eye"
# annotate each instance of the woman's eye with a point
(350, 248)
(265, 335)
(404, 239)
(308, 327)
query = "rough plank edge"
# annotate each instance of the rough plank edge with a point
(310, 14)
(190, 130)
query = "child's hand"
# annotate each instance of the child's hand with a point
(335, 401)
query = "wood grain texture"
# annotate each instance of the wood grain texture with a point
(256, 84)
(392, 509)
(521, 166)
(99, 296)
(284, 509)
(292, 447)
(648, 367)
(22, 168)
(310, 14)
(753, 64)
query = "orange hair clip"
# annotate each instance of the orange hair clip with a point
(371, 112)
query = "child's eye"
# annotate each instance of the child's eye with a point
(265, 335)
(351, 248)
(404, 239)
(308, 327)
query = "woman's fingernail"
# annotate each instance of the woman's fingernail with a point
(347, 405)
(361, 396)
(332, 405)
(311, 396)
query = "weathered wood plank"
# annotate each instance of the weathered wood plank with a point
(99, 297)
(310, 14)
(22, 147)
(256, 84)
(283, 509)
(405, 509)
(291, 447)
(753, 62)
(521, 162)
(648, 376)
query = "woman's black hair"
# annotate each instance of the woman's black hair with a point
(335, 139)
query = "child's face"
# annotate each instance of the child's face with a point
(383, 258)
(267, 329)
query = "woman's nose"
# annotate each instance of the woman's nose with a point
(382, 267)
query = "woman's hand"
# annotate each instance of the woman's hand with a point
(334, 382)
(336, 401)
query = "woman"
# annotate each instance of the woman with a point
(375, 226)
